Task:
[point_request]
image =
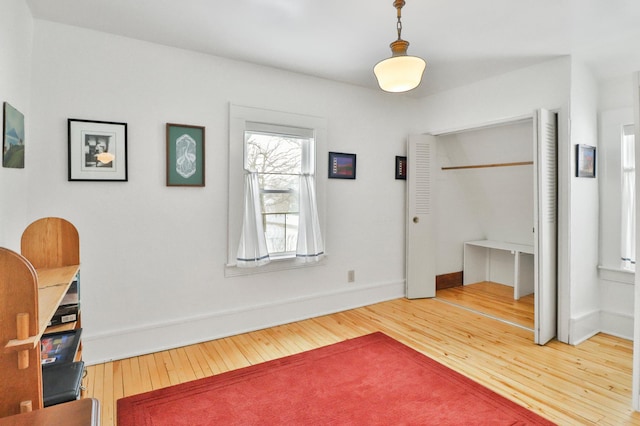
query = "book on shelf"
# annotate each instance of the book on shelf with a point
(70, 306)
(59, 348)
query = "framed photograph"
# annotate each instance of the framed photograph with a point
(342, 166)
(585, 161)
(13, 138)
(401, 167)
(97, 150)
(185, 155)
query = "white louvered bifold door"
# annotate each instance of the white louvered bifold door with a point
(420, 221)
(545, 225)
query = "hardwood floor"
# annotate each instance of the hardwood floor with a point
(492, 299)
(570, 385)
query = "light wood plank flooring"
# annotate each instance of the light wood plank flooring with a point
(586, 384)
(492, 299)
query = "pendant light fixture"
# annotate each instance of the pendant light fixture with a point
(400, 72)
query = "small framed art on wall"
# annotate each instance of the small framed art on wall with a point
(185, 155)
(97, 150)
(342, 166)
(585, 161)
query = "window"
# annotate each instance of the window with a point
(279, 156)
(274, 191)
(628, 222)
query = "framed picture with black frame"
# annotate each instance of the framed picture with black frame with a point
(97, 150)
(585, 161)
(342, 165)
(401, 167)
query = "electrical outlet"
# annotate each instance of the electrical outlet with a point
(351, 276)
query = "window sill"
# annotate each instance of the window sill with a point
(274, 265)
(620, 275)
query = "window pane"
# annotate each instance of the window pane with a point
(273, 182)
(279, 202)
(266, 153)
(628, 151)
(281, 232)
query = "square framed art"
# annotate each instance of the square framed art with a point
(185, 155)
(342, 166)
(97, 150)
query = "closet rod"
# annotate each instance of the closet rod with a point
(481, 166)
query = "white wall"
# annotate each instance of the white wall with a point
(153, 257)
(584, 202)
(16, 27)
(498, 99)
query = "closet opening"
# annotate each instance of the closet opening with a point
(492, 216)
(485, 215)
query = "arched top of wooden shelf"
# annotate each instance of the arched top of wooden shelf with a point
(18, 282)
(51, 242)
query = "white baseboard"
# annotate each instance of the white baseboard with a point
(584, 327)
(592, 323)
(617, 324)
(177, 332)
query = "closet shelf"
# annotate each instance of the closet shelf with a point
(482, 166)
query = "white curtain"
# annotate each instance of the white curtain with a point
(252, 250)
(628, 225)
(310, 247)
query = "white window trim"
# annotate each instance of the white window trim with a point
(627, 130)
(238, 117)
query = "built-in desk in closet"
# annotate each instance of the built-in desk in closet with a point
(500, 262)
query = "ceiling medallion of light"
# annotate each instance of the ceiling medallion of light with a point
(400, 72)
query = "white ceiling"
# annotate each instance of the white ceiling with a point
(462, 40)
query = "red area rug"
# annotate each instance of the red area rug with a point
(370, 380)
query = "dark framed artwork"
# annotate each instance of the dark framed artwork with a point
(401, 167)
(97, 150)
(342, 166)
(185, 155)
(13, 137)
(585, 161)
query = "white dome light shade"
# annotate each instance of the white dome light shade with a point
(399, 73)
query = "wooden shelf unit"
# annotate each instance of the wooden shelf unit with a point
(32, 285)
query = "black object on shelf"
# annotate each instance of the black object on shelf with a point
(61, 374)
(61, 382)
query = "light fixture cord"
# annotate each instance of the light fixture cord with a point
(398, 5)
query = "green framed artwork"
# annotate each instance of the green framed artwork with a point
(13, 138)
(185, 155)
